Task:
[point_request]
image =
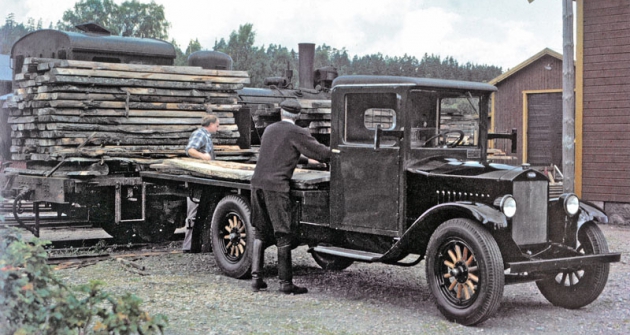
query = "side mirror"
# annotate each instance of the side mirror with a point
(511, 137)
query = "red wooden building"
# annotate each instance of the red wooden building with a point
(530, 100)
(603, 105)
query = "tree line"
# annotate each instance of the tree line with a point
(132, 18)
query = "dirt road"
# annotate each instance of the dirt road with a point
(363, 299)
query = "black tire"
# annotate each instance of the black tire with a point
(330, 262)
(162, 217)
(469, 290)
(577, 288)
(232, 234)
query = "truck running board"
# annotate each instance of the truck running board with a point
(357, 255)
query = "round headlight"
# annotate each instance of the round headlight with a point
(508, 206)
(572, 204)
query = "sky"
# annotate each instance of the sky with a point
(503, 33)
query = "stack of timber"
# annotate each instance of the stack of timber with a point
(67, 108)
(315, 115)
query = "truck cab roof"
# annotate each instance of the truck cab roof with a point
(366, 80)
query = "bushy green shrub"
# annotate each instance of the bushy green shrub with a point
(34, 301)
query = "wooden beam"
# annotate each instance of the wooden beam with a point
(49, 78)
(148, 75)
(194, 70)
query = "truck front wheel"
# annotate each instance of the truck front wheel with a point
(579, 287)
(464, 271)
(232, 234)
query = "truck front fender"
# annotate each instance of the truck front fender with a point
(416, 238)
(590, 212)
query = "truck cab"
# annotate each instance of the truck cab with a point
(381, 132)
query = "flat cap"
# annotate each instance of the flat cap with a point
(291, 106)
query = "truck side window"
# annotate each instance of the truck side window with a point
(423, 116)
(365, 111)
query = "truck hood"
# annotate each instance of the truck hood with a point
(441, 166)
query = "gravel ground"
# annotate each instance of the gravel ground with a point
(363, 299)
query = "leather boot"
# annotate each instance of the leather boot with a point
(285, 272)
(258, 261)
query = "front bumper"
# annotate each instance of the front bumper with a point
(559, 264)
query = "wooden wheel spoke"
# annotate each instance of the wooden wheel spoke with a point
(472, 269)
(227, 228)
(447, 275)
(466, 293)
(449, 264)
(473, 277)
(465, 255)
(459, 291)
(471, 285)
(564, 278)
(227, 246)
(240, 248)
(452, 255)
(470, 260)
(450, 288)
(458, 251)
(226, 237)
(242, 242)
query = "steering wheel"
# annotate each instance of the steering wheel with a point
(443, 135)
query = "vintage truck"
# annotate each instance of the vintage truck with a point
(409, 180)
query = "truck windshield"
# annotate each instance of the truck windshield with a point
(444, 119)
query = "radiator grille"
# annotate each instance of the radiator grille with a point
(529, 225)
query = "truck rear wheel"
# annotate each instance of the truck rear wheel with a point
(579, 287)
(232, 234)
(464, 271)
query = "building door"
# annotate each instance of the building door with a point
(544, 130)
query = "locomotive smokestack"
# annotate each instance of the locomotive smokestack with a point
(307, 60)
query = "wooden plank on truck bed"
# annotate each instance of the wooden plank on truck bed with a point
(240, 171)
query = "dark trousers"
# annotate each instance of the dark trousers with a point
(271, 216)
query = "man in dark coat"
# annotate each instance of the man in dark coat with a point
(282, 145)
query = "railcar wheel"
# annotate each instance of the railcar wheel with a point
(163, 216)
(330, 262)
(232, 234)
(576, 288)
(464, 271)
(101, 212)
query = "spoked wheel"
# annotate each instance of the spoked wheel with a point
(465, 271)
(575, 288)
(232, 234)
